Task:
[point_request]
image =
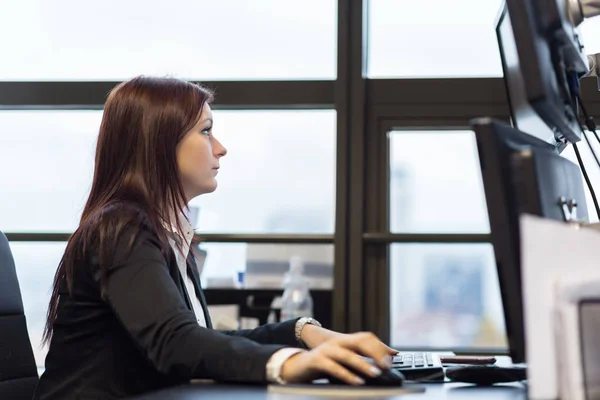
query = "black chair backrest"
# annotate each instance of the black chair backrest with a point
(18, 372)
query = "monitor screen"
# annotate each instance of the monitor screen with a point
(523, 116)
(521, 174)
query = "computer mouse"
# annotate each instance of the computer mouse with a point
(388, 377)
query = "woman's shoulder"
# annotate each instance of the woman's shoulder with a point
(119, 228)
(119, 215)
(113, 237)
(120, 210)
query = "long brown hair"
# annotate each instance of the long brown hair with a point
(136, 180)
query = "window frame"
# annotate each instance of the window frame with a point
(367, 109)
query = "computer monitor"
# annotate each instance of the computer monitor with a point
(521, 174)
(542, 58)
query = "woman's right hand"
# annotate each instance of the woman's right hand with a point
(339, 357)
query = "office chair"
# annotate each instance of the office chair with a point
(18, 372)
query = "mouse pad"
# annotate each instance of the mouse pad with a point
(346, 391)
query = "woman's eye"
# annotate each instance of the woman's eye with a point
(206, 131)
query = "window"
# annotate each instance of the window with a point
(433, 39)
(590, 32)
(279, 175)
(216, 40)
(36, 264)
(47, 167)
(445, 295)
(435, 183)
(264, 265)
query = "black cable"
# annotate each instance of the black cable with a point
(587, 180)
(589, 120)
(564, 87)
(587, 140)
(595, 134)
(591, 125)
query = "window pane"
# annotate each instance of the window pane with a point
(114, 40)
(445, 295)
(433, 39)
(435, 183)
(279, 175)
(264, 264)
(36, 264)
(590, 33)
(47, 162)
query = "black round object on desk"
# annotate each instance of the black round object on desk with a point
(486, 374)
(388, 377)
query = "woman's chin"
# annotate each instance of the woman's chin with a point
(205, 188)
(211, 187)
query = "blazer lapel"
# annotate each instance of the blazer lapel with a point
(178, 279)
(192, 271)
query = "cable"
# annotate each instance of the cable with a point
(587, 180)
(591, 125)
(587, 140)
(589, 120)
(565, 88)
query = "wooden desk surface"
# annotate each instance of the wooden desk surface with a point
(434, 391)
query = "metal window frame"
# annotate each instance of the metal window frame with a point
(230, 95)
(419, 104)
(202, 237)
(366, 110)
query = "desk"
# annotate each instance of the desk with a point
(434, 391)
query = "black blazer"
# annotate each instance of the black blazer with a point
(145, 336)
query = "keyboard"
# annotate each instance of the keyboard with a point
(419, 366)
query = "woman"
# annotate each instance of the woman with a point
(127, 314)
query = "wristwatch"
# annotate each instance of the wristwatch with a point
(275, 363)
(300, 325)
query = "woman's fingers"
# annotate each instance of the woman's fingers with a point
(352, 360)
(332, 368)
(343, 358)
(367, 344)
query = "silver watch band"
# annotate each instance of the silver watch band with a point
(300, 325)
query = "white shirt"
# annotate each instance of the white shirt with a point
(278, 358)
(181, 256)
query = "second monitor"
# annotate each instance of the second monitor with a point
(522, 174)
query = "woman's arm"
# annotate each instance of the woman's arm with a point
(143, 296)
(282, 333)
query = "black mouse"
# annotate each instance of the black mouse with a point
(388, 377)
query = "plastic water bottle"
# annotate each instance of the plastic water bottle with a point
(296, 301)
